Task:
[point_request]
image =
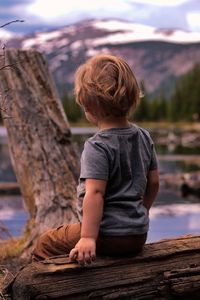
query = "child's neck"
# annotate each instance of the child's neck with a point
(113, 122)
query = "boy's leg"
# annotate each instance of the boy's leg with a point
(57, 241)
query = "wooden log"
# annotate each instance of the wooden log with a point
(9, 188)
(43, 156)
(168, 269)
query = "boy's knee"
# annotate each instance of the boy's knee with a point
(42, 247)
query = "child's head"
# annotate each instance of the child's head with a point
(106, 86)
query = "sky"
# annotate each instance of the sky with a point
(41, 15)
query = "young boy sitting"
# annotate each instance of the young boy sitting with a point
(118, 179)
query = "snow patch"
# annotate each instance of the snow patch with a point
(134, 32)
(112, 25)
(92, 51)
(6, 35)
(41, 38)
(76, 45)
(62, 42)
(46, 36)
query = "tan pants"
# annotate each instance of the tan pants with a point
(62, 239)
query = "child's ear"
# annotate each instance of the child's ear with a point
(85, 109)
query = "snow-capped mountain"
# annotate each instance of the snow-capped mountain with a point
(5, 35)
(157, 56)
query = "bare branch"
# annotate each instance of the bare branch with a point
(15, 21)
(4, 66)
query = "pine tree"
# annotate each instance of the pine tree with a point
(142, 112)
(163, 107)
(185, 101)
(72, 109)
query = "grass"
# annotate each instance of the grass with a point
(13, 247)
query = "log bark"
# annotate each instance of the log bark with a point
(168, 269)
(42, 154)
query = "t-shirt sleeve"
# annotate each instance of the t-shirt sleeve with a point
(94, 161)
(154, 160)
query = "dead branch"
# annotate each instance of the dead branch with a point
(4, 66)
(8, 23)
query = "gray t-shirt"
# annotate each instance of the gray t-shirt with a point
(123, 157)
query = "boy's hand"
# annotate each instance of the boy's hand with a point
(84, 251)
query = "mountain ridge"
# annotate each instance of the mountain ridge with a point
(157, 56)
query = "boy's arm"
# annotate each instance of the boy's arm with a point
(151, 189)
(85, 249)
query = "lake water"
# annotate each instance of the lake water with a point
(171, 214)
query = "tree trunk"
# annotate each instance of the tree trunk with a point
(169, 269)
(42, 154)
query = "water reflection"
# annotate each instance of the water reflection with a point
(181, 166)
(12, 215)
(174, 220)
(169, 148)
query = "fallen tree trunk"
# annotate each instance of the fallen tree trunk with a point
(43, 156)
(169, 269)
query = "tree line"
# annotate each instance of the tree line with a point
(182, 105)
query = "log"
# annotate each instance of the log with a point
(39, 139)
(168, 269)
(9, 188)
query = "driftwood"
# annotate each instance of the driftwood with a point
(9, 188)
(169, 269)
(42, 154)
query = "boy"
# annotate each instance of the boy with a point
(119, 178)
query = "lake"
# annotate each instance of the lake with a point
(171, 216)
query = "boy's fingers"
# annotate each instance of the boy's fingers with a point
(88, 258)
(81, 258)
(93, 256)
(73, 253)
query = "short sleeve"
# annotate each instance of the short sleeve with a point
(94, 161)
(154, 160)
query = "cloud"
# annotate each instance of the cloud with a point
(47, 14)
(193, 19)
(52, 10)
(159, 2)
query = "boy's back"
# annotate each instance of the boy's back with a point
(123, 157)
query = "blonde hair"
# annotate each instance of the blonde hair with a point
(105, 85)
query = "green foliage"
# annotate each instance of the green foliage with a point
(151, 109)
(142, 112)
(185, 101)
(71, 108)
(183, 104)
